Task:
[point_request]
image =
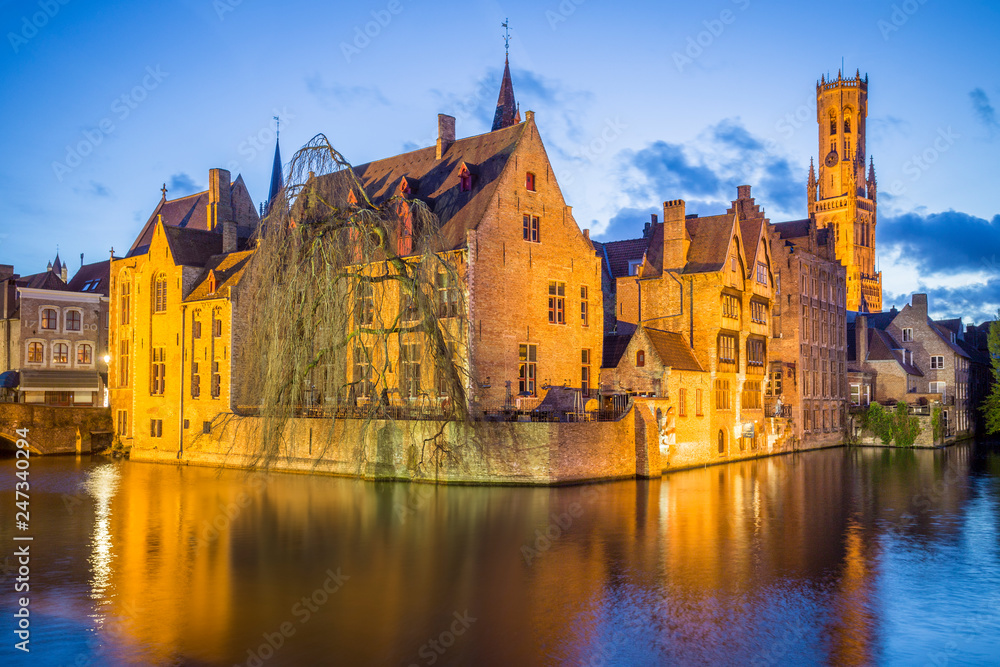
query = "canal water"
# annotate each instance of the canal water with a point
(844, 556)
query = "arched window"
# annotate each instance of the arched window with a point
(72, 320)
(49, 318)
(160, 293)
(833, 122)
(84, 354)
(847, 122)
(722, 441)
(123, 362)
(125, 295)
(36, 353)
(60, 353)
(640, 358)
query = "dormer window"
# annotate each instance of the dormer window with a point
(466, 179)
(211, 282)
(529, 182)
(408, 186)
(633, 266)
(352, 198)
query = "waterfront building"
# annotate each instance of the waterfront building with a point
(173, 299)
(842, 198)
(53, 335)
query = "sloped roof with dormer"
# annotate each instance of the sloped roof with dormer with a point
(92, 278)
(710, 237)
(192, 247)
(792, 229)
(228, 270)
(673, 350)
(621, 253)
(44, 280)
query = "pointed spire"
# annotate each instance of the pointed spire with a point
(277, 178)
(507, 112)
(57, 265)
(871, 170)
(163, 190)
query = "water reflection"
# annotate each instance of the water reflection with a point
(837, 557)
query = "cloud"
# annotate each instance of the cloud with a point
(98, 189)
(182, 184)
(948, 242)
(977, 302)
(984, 109)
(628, 223)
(339, 96)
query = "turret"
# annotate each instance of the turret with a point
(871, 181)
(811, 187)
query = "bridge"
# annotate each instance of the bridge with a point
(55, 430)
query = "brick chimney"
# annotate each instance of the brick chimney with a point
(676, 240)
(861, 338)
(220, 198)
(229, 237)
(919, 304)
(446, 134)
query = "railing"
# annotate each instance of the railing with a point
(770, 411)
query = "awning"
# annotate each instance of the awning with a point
(60, 381)
(9, 379)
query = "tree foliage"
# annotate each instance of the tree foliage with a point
(991, 404)
(343, 304)
(897, 426)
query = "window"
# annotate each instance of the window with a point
(758, 312)
(531, 228)
(939, 388)
(833, 122)
(730, 306)
(466, 178)
(408, 311)
(72, 320)
(633, 266)
(195, 381)
(156, 428)
(60, 353)
(442, 372)
(49, 318)
(123, 362)
(722, 400)
(409, 369)
(557, 302)
(762, 273)
(447, 295)
(751, 395)
(640, 358)
(125, 298)
(362, 372)
(697, 402)
(364, 304)
(855, 394)
(527, 368)
(529, 181)
(121, 422)
(216, 380)
(847, 124)
(36, 353)
(206, 427)
(216, 325)
(160, 293)
(196, 329)
(584, 307)
(84, 354)
(774, 386)
(755, 352)
(727, 349)
(682, 402)
(907, 335)
(585, 372)
(722, 441)
(157, 371)
(937, 362)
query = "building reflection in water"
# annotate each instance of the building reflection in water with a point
(762, 560)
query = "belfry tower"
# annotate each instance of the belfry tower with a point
(842, 197)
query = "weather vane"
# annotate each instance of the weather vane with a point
(277, 127)
(506, 36)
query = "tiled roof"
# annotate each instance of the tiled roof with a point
(92, 278)
(673, 350)
(709, 242)
(228, 270)
(44, 280)
(881, 320)
(750, 231)
(882, 347)
(439, 180)
(620, 253)
(614, 347)
(945, 335)
(192, 247)
(506, 112)
(792, 229)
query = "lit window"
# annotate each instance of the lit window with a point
(160, 293)
(727, 349)
(531, 233)
(447, 295)
(730, 306)
(72, 320)
(36, 353)
(722, 399)
(557, 302)
(409, 369)
(527, 356)
(585, 372)
(158, 371)
(49, 318)
(84, 354)
(584, 307)
(60, 353)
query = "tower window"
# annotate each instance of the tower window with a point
(847, 124)
(833, 123)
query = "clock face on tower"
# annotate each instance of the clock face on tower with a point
(832, 158)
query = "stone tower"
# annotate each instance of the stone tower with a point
(842, 196)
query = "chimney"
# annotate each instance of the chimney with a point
(586, 234)
(446, 134)
(676, 241)
(743, 192)
(919, 304)
(229, 238)
(81, 260)
(220, 198)
(861, 338)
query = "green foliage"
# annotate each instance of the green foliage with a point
(991, 405)
(898, 425)
(879, 422)
(936, 423)
(906, 427)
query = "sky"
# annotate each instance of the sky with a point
(637, 103)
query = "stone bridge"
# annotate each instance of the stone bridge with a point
(55, 430)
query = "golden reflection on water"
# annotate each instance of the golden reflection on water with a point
(769, 557)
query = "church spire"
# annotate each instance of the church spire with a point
(507, 111)
(277, 179)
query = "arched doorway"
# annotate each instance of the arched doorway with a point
(722, 441)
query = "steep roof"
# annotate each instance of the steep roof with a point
(43, 280)
(673, 350)
(192, 247)
(615, 345)
(945, 336)
(882, 347)
(881, 320)
(277, 178)
(92, 278)
(709, 242)
(506, 112)
(750, 232)
(228, 270)
(439, 182)
(792, 229)
(620, 253)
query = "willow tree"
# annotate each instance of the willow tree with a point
(351, 305)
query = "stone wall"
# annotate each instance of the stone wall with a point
(55, 430)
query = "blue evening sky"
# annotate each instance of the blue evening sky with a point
(637, 102)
